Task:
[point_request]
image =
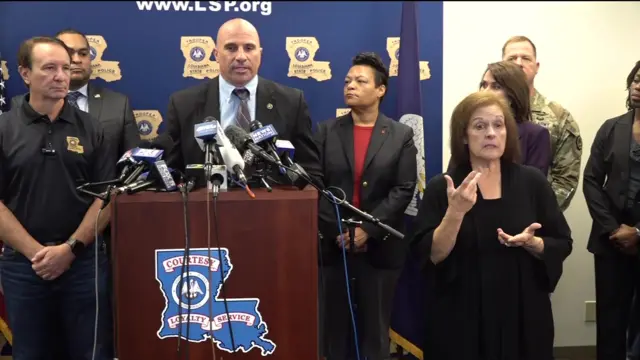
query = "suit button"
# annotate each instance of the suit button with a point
(364, 184)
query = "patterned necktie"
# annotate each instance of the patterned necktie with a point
(73, 98)
(243, 116)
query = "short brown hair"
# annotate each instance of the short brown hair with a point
(460, 122)
(520, 38)
(513, 81)
(25, 52)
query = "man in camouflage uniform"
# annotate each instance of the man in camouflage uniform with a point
(566, 142)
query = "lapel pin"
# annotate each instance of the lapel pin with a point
(96, 96)
(383, 131)
(269, 106)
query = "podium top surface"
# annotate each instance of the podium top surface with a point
(235, 194)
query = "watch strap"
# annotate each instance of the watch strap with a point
(77, 246)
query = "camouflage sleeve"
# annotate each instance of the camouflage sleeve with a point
(565, 167)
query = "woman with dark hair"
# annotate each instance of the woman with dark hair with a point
(491, 236)
(509, 81)
(611, 187)
(372, 158)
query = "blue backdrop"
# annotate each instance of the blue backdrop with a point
(146, 45)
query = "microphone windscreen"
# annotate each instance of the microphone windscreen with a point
(238, 137)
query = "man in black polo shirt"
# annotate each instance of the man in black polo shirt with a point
(48, 148)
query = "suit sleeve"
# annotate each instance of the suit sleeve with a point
(307, 154)
(595, 173)
(402, 191)
(539, 152)
(174, 157)
(328, 223)
(131, 137)
(555, 231)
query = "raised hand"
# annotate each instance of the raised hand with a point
(462, 199)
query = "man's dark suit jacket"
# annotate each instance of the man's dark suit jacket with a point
(281, 106)
(535, 146)
(388, 182)
(606, 180)
(114, 111)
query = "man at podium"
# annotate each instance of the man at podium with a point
(239, 96)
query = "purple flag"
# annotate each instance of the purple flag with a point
(407, 317)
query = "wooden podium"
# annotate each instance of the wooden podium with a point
(270, 247)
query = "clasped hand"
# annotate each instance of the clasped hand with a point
(52, 261)
(359, 240)
(625, 238)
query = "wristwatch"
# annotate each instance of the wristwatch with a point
(637, 232)
(76, 245)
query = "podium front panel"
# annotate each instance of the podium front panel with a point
(268, 255)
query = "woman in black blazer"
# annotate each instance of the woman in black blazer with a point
(373, 160)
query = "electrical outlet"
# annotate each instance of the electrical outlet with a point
(590, 311)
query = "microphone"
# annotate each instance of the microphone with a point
(266, 136)
(231, 156)
(125, 165)
(296, 173)
(195, 173)
(134, 187)
(243, 141)
(144, 159)
(205, 134)
(286, 151)
(160, 172)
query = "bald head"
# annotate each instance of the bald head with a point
(237, 26)
(238, 51)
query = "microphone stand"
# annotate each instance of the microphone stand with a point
(367, 217)
(106, 196)
(344, 203)
(351, 226)
(259, 174)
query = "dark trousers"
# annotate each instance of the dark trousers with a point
(372, 293)
(633, 337)
(617, 280)
(43, 313)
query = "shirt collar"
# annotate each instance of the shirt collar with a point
(84, 90)
(226, 89)
(31, 115)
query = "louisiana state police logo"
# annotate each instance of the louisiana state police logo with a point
(302, 54)
(197, 53)
(145, 128)
(191, 303)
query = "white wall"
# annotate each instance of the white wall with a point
(585, 50)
